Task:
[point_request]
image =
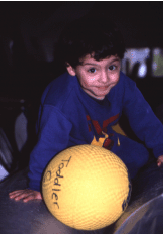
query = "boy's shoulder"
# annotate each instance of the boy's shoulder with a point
(125, 79)
(59, 90)
(126, 82)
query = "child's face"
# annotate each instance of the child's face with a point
(97, 78)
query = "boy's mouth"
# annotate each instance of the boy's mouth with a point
(103, 87)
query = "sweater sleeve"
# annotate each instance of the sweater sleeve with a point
(53, 137)
(142, 119)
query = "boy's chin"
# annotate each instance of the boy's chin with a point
(97, 95)
(102, 95)
(100, 98)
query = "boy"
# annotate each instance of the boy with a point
(82, 105)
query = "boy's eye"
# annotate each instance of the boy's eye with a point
(112, 67)
(92, 70)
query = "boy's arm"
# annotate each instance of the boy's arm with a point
(53, 137)
(142, 119)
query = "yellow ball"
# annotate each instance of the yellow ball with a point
(86, 187)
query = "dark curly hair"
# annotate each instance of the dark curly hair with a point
(99, 37)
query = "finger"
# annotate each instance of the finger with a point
(16, 195)
(33, 196)
(21, 196)
(12, 196)
(29, 198)
(15, 192)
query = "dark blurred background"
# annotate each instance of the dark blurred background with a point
(29, 32)
(28, 35)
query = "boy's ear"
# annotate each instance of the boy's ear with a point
(70, 70)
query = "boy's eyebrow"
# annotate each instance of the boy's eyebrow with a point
(93, 64)
(115, 60)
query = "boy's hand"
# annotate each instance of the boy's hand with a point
(160, 160)
(26, 195)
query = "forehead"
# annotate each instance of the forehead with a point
(89, 59)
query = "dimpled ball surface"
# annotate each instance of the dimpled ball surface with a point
(85, 187)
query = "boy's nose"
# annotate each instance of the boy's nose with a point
(104, 78)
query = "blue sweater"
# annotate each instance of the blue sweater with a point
(68, 116)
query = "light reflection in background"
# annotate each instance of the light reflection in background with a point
(139, 57)
(157, 65)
